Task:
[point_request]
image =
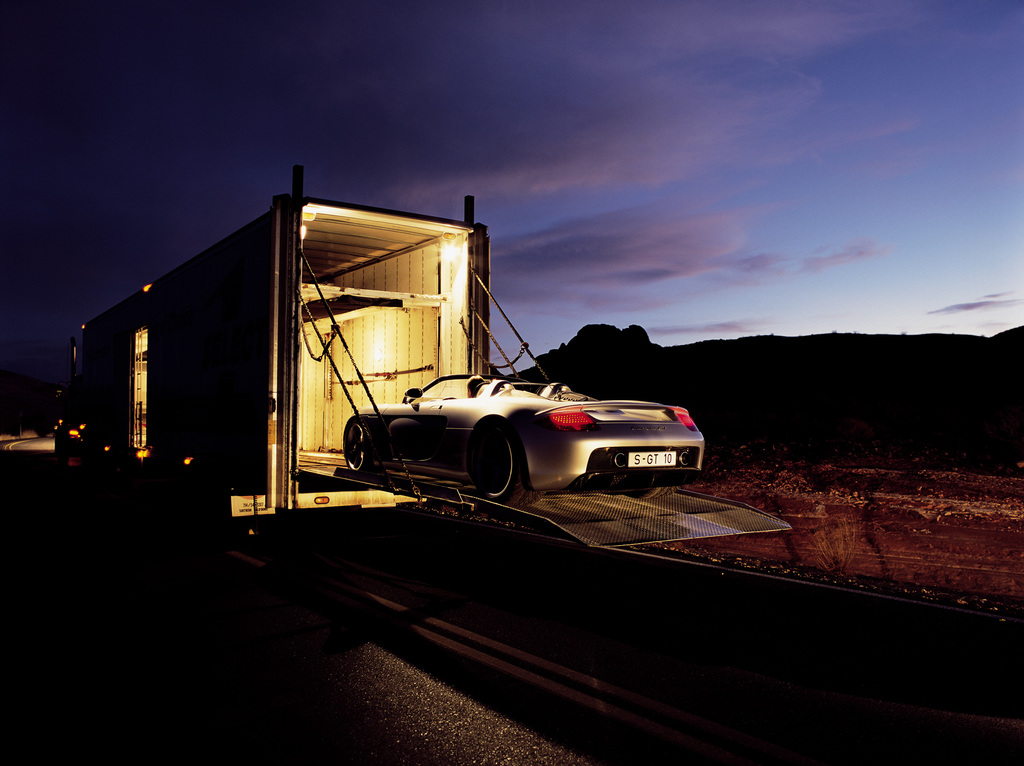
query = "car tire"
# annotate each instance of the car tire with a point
(495, 465)
(358, 448)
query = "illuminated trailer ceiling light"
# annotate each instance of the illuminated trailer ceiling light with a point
(341, 239)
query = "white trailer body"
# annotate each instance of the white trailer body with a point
(221, 363)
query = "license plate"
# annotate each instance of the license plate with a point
(652, 459)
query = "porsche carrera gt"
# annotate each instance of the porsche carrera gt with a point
(506, 439)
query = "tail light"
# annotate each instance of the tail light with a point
(683, 416)
(568, 419)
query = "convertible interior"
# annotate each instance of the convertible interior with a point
(482, 387)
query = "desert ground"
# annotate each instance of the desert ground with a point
(904, 521)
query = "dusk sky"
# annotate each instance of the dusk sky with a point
(705, 169)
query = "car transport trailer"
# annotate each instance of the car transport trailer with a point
(244, 364)
(230, 363)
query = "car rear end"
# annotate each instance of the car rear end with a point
(611, 447)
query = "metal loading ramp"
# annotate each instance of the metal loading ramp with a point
(593, 519)
(614, 520)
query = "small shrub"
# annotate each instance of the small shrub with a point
(855, 429)
(835, 544)
(1006, 426)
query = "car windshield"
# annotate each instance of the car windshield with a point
(467, 386)
(447, 388)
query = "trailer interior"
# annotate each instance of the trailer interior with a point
(388, 301)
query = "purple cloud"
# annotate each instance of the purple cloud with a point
(711, 329)
(615, 252)
(987, 302)
(859, 250)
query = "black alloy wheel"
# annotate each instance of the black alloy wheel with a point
(495, 465)
(358, 450)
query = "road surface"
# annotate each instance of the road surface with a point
(150, 631)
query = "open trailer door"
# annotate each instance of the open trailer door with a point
(383, 301)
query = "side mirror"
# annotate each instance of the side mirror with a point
(412, 393)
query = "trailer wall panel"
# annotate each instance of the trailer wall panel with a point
(206, 367)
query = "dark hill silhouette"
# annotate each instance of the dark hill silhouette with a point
(952, 392)
(27, 405)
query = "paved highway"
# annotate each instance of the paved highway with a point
(382, 637)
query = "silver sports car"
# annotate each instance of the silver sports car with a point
(509, 438)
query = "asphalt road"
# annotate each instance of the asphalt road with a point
(148, 628)
(40, 444)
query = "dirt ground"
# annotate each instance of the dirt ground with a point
(901, 521)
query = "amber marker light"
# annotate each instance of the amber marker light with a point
(449, 245)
